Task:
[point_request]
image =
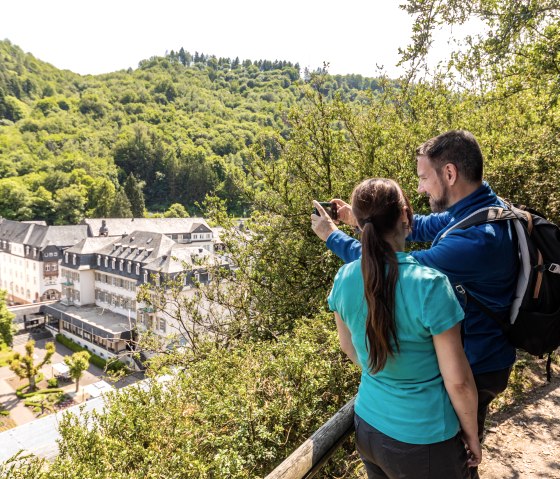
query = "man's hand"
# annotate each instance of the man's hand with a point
(344, 212)
(322, 225)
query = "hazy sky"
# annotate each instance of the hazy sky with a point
(102, 36)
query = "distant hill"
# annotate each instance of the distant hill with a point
(182, 124)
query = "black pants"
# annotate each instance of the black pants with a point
(387, 458)
(488, 386)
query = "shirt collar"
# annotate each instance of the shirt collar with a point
(482, 196)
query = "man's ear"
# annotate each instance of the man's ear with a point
(450, 173)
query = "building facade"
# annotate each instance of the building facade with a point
(30, 255)
(101, 277)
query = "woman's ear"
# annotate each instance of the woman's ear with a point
(406, 217)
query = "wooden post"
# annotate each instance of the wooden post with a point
(318, 448)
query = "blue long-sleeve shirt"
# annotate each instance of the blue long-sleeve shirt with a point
(483, 259)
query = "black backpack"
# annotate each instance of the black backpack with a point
(534, 320)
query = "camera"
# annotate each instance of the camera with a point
(330, 208)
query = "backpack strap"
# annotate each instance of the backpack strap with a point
(485, 309)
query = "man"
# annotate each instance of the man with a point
(481, 259)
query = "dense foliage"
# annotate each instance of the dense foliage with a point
(180, 126)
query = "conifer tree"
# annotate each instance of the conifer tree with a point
(133, 190)
(121, 206)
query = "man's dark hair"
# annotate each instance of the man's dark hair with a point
(457, 147)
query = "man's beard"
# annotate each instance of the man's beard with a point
(440, 204)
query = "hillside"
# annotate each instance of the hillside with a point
(183, 125)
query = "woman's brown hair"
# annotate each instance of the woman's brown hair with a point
(377, 204)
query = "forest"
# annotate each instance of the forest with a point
(134, 142)
(258, 140)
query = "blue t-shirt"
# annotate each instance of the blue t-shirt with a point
(406, 400)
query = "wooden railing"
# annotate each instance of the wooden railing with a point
(308, 458)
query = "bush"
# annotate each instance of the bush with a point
(4, 413)
(94, 358)
(41, 391)
(52, 383)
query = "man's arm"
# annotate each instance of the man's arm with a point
(348, 249)
(426, 227)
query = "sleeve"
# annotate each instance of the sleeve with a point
(345, 247)
(334, 296)
(426, 228)
(441, 310)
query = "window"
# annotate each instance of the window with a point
(121, 262)
(54, 266)
(113, 262)
(106, 262)
(73, 259)
(27, 250)
(47, 267)
(98, 260)
(138, 269)
(162, 325)
(34, 252)
(66, 257)
(145, 276)
(128, 266)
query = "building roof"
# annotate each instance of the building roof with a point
(93, 319)
(139, 246)
(120, 226)
(179, 256)
(90, 245)
(40, 236)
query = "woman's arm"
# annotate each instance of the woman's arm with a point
(459, 383)
(345, 338)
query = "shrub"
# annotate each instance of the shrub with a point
(52, 383)
(94, 358)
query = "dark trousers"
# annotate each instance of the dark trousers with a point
(488, 385)
(387, 458)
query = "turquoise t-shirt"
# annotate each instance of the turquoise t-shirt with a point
(407, 399)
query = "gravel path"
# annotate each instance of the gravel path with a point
(523, 441)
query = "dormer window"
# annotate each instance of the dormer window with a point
(27, 250)
(106, 261)
(66, 257)
(113, 262)
(145, 276)
(138, 268)
(121, 262)
(34, 252)
(128, 266)
(74, 259)
(98, 260)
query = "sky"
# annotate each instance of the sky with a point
(102, 36)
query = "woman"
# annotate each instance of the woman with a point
(415, 412)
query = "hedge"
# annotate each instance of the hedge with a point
(94, 359)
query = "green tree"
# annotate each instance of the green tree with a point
(121, 205)
(25, 367)
(7, 327)
(78, 363)
(176, 210)
(70, 205)
(133, 190)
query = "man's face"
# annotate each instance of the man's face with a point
(431, 183)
